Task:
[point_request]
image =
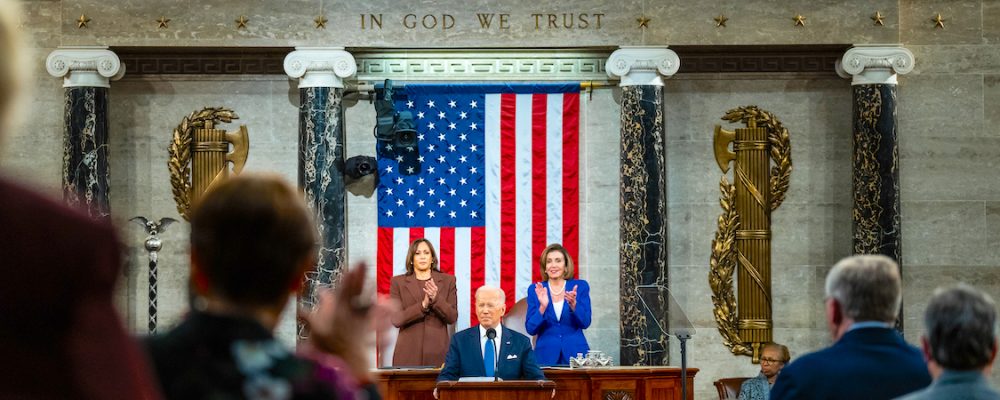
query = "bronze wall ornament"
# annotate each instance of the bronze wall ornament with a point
(197, 146)
(744, 236)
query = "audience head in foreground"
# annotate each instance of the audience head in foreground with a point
(960, 344)
(490, 349)
(868, 359)
(772, 359)
(60, 335)
(252, 239)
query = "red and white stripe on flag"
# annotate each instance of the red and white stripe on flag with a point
(531, 199)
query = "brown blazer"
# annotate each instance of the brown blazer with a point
(423, 334)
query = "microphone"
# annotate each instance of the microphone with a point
(492, 334)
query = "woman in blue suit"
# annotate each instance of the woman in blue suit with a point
(558, 309)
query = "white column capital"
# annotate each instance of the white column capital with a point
(320, 66)
(642, 65)
(875, 64)
(85, 66)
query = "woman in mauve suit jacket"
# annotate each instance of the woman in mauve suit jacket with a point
(558, 309)
(428, 305)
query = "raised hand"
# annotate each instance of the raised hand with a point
(543, 297)
(431, 290)
(343, 320)
(571, 298)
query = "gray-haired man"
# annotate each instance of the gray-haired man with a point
(869, 359)
(960, 344)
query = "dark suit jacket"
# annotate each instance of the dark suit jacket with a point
(60, 336)
(866, 363)
(423, 335)
(465, 357)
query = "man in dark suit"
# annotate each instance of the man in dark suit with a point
(869, 359)
(490, 349)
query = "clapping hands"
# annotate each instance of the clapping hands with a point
(543, 297)
(571, 298)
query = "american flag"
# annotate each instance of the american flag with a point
(497, 181)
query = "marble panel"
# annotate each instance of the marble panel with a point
(599, 172)
(600, 116)
(599, 241)
(817, 233)
(920, 282)
(941, 106)
(758, 22)
(691, 228)
(991, 31)
(41, 22)
(991, 105)
(953, 59)
(963, 22)
(948, 168)
(692, 173)
(991, 236)
(943, 233)
(452, 23)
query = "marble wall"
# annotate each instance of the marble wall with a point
(947, 116)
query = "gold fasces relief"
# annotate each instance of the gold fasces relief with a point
(762, 164)
(200, 154)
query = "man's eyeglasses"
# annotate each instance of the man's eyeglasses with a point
(770, 361)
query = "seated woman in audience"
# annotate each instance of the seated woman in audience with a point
(558, 309)
(252, 239)
(428, 300)
(773, 358)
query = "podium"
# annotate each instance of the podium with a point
(637, 383)
(502, 390)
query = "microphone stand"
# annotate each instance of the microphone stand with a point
(491, 334)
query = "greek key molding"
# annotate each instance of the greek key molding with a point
(643, 65)
(875, 64)
(84, 66)
(320, 66)
(478, 65)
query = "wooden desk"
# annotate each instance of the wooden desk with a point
(615, 383)
(506, 390)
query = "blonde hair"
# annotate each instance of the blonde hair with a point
(13, 58)
(568, 271)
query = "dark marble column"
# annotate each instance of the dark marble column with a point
(321, 155)
(86, 73)
(876, 213)
(643, 230)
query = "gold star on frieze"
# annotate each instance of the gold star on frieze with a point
(878, 17)
(320, 22)
(241, 22)
(643, 21)
(162, 23)
(938, 21)
(799, 20)
(720, 21)
(82, 21)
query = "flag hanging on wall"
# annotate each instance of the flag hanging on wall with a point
(492, 180)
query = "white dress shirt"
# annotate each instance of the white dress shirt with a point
(496, 341)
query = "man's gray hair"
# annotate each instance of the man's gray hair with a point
(502, 295)
(867, 287)
(961, 327)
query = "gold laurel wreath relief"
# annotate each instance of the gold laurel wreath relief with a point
(722, 262)
(179, 151)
